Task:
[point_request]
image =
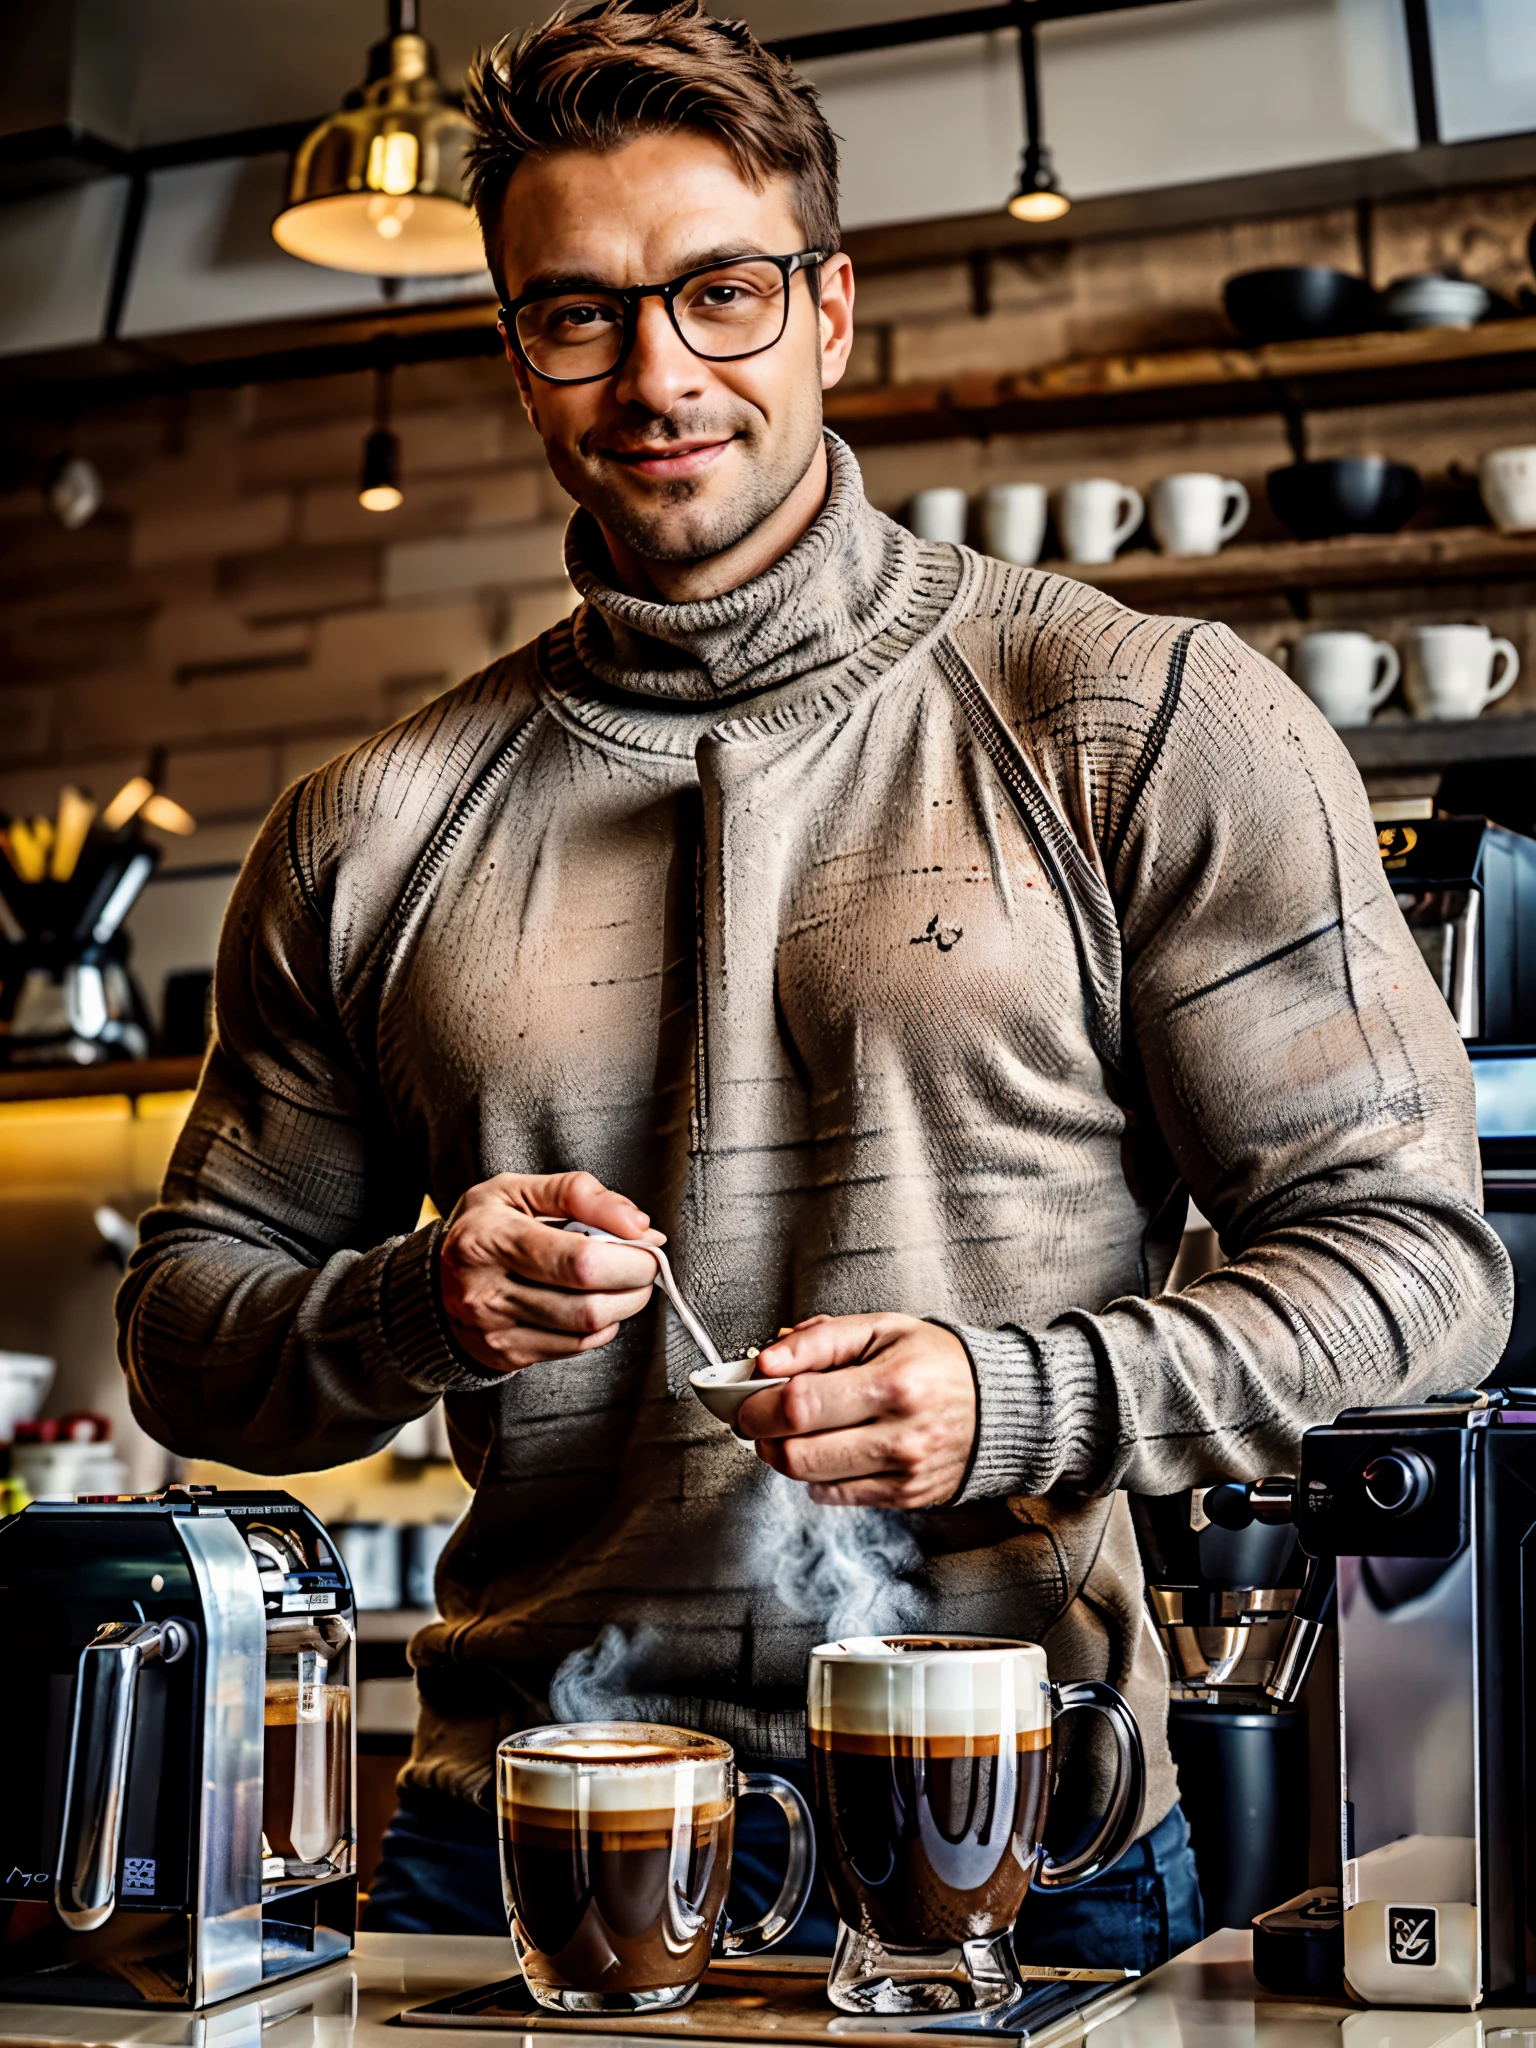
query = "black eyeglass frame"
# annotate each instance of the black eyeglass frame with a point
(630, 295)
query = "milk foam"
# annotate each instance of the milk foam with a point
(878, 1686)
(600, 1771)
(610, 1752)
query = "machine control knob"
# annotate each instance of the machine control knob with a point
(1397, 1482)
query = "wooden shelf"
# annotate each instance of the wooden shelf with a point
(1444, 554)
(1178, 383)
(1396, 742)
(126, 1077)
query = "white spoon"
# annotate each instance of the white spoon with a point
(668, 1285)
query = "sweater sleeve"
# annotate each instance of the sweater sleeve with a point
(281, 1312)
(1306, 1078)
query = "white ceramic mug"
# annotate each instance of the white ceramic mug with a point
(938, 514)
(1196, 512)
(1347, 675)
(1013, 522)
(1096, 517)
(1508, 480)
(1449, 672)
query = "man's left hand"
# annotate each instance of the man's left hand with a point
(876, 1411)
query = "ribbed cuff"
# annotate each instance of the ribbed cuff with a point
(1038, 1420)
(415, 1325)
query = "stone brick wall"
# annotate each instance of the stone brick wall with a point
(234, 606)
(235, 612)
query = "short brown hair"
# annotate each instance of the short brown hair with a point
(597, 78)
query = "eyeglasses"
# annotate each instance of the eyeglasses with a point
(723, 312)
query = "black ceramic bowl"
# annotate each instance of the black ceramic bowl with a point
(1300, 304)
(1351, 494)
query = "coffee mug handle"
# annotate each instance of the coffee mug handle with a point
(1386, 682)
(1507, 681)
(786, 1909)
(1122, 1823)
(1235, 518)
(1133, 511)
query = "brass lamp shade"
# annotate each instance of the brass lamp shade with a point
(377, 187)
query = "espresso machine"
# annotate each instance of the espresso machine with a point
(1467, 888)
(1239, 1617)
(1429, 1514)
(176, 1815)
(1468, 891)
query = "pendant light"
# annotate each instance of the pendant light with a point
(378, 186)
(1037, 197)
(379, 486)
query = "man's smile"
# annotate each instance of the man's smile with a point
(672, 460)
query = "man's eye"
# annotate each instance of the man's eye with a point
(725, 295)
(572, 319)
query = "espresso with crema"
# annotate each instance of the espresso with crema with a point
(930, 1791)
(616, 1857)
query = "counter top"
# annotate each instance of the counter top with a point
(1206, 1998)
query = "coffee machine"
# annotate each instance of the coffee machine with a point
(1239, 1615)
(1430, 1515)
(176, 1815)
(1467, 888)
(1468, 891)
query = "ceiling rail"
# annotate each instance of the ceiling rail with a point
(909, 30)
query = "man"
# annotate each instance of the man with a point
(903, 933)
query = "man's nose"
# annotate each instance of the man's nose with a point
(659, 371)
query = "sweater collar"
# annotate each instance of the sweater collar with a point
(838, 588)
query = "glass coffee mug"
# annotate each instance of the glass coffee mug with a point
(616, 1859)
(931, 1761)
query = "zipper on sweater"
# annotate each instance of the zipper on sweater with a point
(698, 1113)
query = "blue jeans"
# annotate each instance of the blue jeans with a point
(440, 1873)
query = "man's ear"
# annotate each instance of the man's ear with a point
(835, 317)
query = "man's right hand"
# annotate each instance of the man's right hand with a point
(517, 1291)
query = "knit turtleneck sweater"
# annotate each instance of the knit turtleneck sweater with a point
(905, 932)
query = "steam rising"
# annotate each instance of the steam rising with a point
(845, 1570)
(595, 1684)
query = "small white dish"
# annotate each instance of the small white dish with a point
(1436, 302)
(723, 1388)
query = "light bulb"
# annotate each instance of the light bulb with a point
(1037, 197)
(389, 216)
(393, 161)
(1039, 206)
